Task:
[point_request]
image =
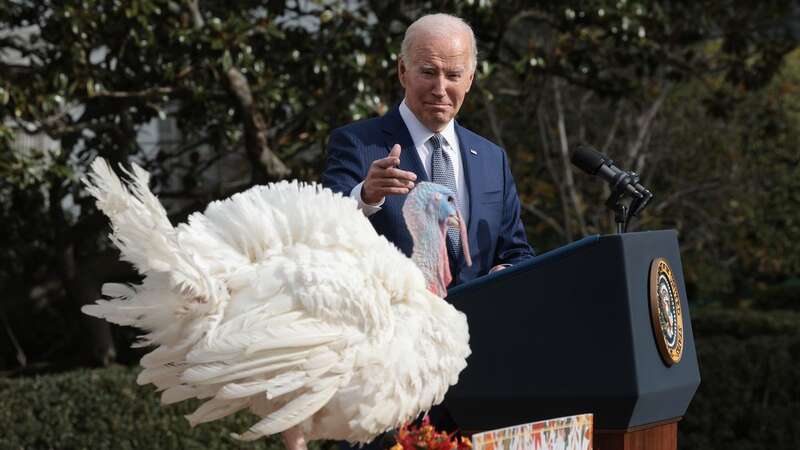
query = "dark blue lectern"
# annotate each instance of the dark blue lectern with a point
(570, 332)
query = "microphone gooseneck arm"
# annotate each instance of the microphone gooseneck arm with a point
(623, 184)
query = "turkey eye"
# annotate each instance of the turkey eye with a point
(450, 199)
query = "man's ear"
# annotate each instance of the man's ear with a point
(401, 71)
(471, 79)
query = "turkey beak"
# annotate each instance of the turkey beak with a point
(458, 221)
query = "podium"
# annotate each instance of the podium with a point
(575, 331)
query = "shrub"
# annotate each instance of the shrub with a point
(104, 409)
(748, 397)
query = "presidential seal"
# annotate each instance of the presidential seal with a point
(665, 312)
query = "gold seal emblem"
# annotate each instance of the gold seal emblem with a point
(665, 312)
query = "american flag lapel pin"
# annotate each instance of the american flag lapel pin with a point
(473, 151)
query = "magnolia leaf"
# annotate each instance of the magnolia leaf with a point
(226, 60)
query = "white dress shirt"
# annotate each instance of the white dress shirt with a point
(420, 135)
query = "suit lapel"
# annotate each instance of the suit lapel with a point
(470, 159)
(397, 133)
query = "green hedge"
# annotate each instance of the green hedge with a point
(749, 398)
(106, 409)
(749, 395)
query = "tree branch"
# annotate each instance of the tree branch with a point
(645, 122)
(567, 167)
(546, 218)
(492, 114)
(582, 123)
(144, 93)
(17, 69)
(612, 132)
(55, 126)
(197, 17)
(255, 128)
(543, 136)
(21, 358)
(679, 194)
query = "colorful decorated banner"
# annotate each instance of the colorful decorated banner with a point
(563, 433)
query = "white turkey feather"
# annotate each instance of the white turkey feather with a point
(216, 409)
(143, 233)
(294, 412)
(243, 389)
(178, 393)
(282, 300)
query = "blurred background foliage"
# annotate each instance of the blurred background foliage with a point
(699, 98)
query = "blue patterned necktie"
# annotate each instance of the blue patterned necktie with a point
(442, 173)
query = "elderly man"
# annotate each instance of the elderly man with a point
(377, 161)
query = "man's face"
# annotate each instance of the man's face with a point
(436, 74)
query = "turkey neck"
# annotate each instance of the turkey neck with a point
(430, 255)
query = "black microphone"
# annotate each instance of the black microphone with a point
(595, 163)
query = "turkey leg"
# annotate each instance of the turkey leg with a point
(293, 439)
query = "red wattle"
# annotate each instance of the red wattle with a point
(444, 263)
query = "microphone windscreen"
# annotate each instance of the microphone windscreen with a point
(587, 159)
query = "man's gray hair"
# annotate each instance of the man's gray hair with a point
(438, 24)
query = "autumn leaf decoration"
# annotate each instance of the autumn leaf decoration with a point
(426, 437)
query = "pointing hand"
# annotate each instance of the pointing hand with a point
(384, 178)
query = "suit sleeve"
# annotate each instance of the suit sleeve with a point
(344, 167)
(512, 246)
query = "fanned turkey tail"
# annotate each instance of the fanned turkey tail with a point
(146, 238)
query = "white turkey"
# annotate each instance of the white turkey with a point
(284, 301)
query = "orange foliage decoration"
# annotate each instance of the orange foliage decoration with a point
(425, 437)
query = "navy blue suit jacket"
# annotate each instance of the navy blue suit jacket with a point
(496, 234)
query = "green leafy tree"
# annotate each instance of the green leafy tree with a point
(250, 91)
(684, 93)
